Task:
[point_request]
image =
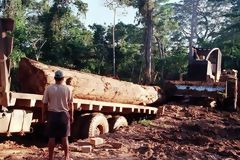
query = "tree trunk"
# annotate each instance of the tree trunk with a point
(193, 28)
(148, 43)
(35, 76)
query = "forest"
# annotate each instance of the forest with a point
(157, 47)
(153, 49)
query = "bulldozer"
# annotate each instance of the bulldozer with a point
(206, 79)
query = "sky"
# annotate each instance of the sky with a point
(99, 14)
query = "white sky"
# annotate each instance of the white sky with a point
(98, 13)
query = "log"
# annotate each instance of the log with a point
(35, 76)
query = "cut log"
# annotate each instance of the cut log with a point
(35, 76)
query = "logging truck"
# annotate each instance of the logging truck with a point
(94, 114)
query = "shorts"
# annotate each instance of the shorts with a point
(58, 124)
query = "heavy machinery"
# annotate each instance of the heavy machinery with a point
(20, 111)
(204, 78)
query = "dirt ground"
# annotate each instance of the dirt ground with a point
(183, 132)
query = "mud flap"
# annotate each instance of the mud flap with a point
(231, 100)
(17, 121)
(5, 118)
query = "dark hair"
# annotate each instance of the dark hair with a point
(69, 80)
(58, 79)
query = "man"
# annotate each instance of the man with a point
(58, 105)
(69, 84)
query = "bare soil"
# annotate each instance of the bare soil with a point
(183, 132)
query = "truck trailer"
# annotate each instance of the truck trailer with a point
(20, 112)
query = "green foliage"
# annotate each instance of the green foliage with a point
(52, 32)
(145, 122)
(228, 39)
(16, 10)
(210, 18)
(129, 70)
(81, 7)
(101, 49)
(128, 56)
(172, 65)
(66, 38)
(164, 23)
(16, 57)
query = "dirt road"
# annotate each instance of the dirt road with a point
(181, 133)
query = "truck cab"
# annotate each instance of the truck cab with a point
(205, 65)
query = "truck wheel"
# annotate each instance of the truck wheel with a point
(117, 122)
(97, 125)
(77, 128)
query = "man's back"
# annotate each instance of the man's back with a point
(57, 96)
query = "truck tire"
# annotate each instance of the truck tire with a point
(77, 128)
(117, 122)
(96, 125)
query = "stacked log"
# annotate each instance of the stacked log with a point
(34, 77)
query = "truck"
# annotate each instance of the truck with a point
(205, 79)
(20, 112)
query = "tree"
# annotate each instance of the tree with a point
(164, 25)
(200, 19)
(59, 23)
(155, 16)
(113, 5)
(128, 39)
(100, 48)
(146, 9)
(16, 10)
(228, 39)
